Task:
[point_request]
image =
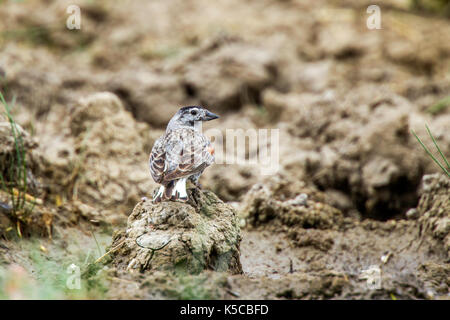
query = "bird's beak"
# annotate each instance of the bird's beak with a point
(210, 116)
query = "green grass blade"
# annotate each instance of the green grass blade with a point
(3, 183)
(96, 242)
(2, 99)
(18, 170)
(437, 147)
(431, 155)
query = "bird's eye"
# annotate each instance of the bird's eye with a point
(194, 112)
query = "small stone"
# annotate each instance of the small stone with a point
(5, 208)
(300, 200)
(154, 240)
(385, 258)
(412, 214)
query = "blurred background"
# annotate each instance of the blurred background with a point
(90, 103)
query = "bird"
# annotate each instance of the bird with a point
(181, 153)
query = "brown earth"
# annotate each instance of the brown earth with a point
(356, 195)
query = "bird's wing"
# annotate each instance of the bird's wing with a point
(158, 160)
(187, 152)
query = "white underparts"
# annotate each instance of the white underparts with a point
(178, 191)
(180, 188)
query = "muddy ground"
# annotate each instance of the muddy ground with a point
(357, 209)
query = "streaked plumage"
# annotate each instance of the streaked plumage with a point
(182, 153)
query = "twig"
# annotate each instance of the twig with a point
(110, 251)
(233, 293)
(152, 249)
(96, 242)
(27, 197)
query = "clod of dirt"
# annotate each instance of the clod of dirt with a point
(229, 182)
(110, 157)
(227, 73)
(344, 153)
(288, 203)
(7, 139)
(408, 257)
(150, 96)
(434, 208)
(185, 237)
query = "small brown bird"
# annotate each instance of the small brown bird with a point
(182, 153)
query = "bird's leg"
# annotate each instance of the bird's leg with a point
(198, 185)
(194, 179)
(179, 192)
(159, 194)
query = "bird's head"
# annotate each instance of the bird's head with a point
(189, 116)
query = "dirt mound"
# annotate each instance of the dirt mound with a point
(202, 234)
(290, 203)
(347, 132)
(326, 255)
(7, 139)
(223, 74)
(153, 97)
(93, 153)
(226, 73)
(109, 157)
(434, 209)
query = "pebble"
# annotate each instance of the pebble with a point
(300, 200)
(412, 214)
(5, 208)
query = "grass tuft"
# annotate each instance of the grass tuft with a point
(13, 172)
(445, 170)
(48, 275)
